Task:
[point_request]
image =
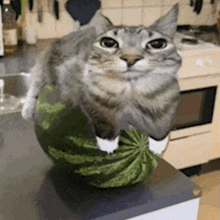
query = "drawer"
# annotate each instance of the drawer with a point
(189, 151)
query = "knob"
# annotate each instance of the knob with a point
(200, 63)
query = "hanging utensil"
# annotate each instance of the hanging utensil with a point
(40, 11)
(200, 4)
(196, 6)
(31, 4)
(56, 9)
(16, 5)
(82, 10)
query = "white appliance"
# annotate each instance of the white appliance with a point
(195, 136)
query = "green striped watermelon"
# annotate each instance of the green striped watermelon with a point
(65, 135)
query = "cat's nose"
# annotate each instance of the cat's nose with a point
(131, 59)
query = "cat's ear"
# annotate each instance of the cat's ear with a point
(100, 22)
(167, 24)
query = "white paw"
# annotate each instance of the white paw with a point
(158, 147)
(28, 109)
(107, 145)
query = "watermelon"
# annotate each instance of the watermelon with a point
(66, 137)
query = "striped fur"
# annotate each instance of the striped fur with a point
(118, 76)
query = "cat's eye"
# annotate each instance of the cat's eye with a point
(108, 42)
(157, 44)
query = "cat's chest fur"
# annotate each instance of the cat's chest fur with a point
(112, 84)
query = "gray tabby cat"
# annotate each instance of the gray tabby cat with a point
(118, 75)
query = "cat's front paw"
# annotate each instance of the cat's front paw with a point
(28, 109)
(107, 145)
(158, 147)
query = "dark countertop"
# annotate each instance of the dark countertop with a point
(31, 187)
(24, 58)
(20, 61)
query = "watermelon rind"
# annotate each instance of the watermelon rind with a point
(66, 137)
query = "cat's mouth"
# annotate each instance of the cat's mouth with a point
(128, 69)
(132, 71)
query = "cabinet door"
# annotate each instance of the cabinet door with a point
(189, 151)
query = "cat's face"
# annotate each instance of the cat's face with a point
(132, 50)
(127, 52)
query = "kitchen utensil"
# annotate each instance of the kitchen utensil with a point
(56, 9)
(16, 5)
(31, 4)
(83, 10)
(198, 6)
(40, 11)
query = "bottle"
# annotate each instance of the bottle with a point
(10, 35)
(1, 35)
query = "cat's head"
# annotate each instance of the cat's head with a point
(139, 49)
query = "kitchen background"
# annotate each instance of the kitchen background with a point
(199, 71)
(198, 153)
(127, 12)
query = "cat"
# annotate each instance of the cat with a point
(120, 76)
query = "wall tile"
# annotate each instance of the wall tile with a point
(46, 29)
(111, 3)
(150, 15)
(181, 2)
(170, 2)
(128, 12)
(132, 3)
(65, 24)
(204, 16)
(45, 5)
(165, 9)
(132, 16)
(152, 3)
(115, 15)
(62, 5)
(33, 10)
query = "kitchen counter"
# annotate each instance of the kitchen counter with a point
(24, 58)
(20, 61)
(205, 33)
(31, 187)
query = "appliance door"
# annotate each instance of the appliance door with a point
(195, 136)
(197, 106)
